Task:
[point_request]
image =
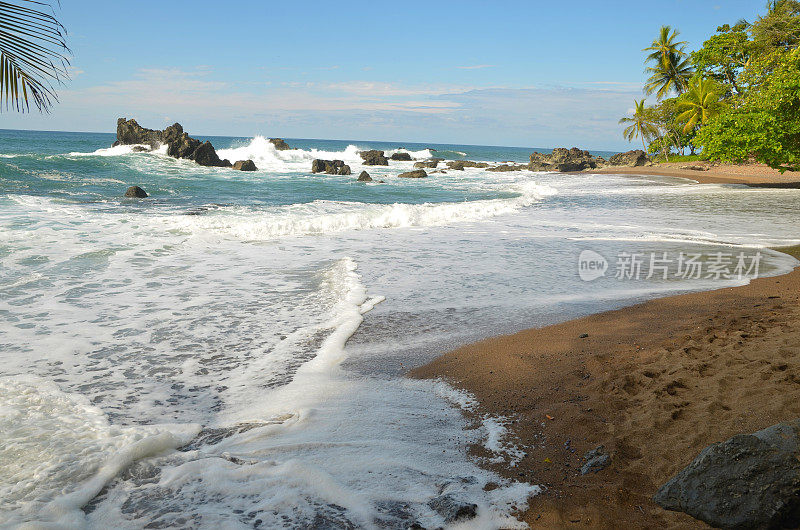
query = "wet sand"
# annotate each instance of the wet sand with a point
(754, 175)
(655, 383)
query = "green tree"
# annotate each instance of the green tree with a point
(779, 28)
(699, 104)
(664, 46)
(766, 126)
(33, 56)
(639, 125)
(724, 56)
(671, 69)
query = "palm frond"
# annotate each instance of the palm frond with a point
(33, 55)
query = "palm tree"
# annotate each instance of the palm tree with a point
(668, 76)
(33, 55)
(664, 46)
(699, 104)
(640, 125)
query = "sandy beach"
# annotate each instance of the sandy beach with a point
(755, 175)
(654, 383)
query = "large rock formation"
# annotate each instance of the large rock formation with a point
(403, 157)
(563, 159)
(279, 144)
(331, 167)
(507, 167)
(634, 158)
(416, 174)
(364, 177)
(180, 144)
(748, 481)
(245, 165)
(374, 158)
(459, 165)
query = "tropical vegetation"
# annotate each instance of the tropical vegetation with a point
(33, 55)
(736, 98)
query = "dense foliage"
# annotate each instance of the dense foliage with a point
(736, 98)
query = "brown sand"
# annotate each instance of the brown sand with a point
(655, 383)
(756, 175)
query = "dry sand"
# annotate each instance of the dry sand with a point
(655, 383)
(757, 175)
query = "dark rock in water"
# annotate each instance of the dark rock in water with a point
(563, 159)
(416, 174)
(459, 165)
(507, 167)
(135, 191)
(140, 149)
(748, 481)
(453, 510)
(364, 177)
(172, 133)
(596, 460)
(245, 165)
(279, 144)
(205, 155)
(129, 132)
(634, 158)
(401, 157)
(183, 146)
(374, 158)
(331, 167)
(427, 163)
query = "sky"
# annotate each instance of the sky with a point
(503, 72)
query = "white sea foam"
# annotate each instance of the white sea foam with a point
(267, 157)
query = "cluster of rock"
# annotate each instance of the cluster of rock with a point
(279, 144)
(748, 481)
(373, 157)
(179, 144)
(574, 159)
(331, 167)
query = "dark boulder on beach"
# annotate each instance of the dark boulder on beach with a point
(402, 157)
(416, 174)
(279, 144)
(596, 460)
(748, 481)
(245, 165)
(331, 167)
(426, 163)
(364, 177)
(136, 192)
(374, 157)
(634, 158)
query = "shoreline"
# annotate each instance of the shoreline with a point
(655, 383)
(751, 175)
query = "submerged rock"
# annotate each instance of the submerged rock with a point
(364, 177)
(508, 167)
(459, 165)
(331, 167)
(245, 165)
(634, 158)
(136, 192)
(140, 149)
(374, 157)
(416, 174)
(279, 144)
(403, 157)
(748, 481)
(427, 163)
(453, 510)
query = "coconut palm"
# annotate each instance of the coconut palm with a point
(670, 75)
(664, 46)
(699, 104)
(33, 56)
(640, 124)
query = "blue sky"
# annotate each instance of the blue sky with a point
(530, 74)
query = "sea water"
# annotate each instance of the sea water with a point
(229, 352)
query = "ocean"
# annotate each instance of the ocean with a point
(230, 352)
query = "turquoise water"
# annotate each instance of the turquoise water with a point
(230, 350)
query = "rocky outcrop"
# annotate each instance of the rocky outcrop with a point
(508, 167)
(403, 157)
(135, 192)
(364, 177)
(331, 167)
(245, 165)
(459, 165)
(374, 158)
(179, 144)
(416, 174)
(279, 144)
(634, 158)
(426, 163)
(564, 160)
(748, 481)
